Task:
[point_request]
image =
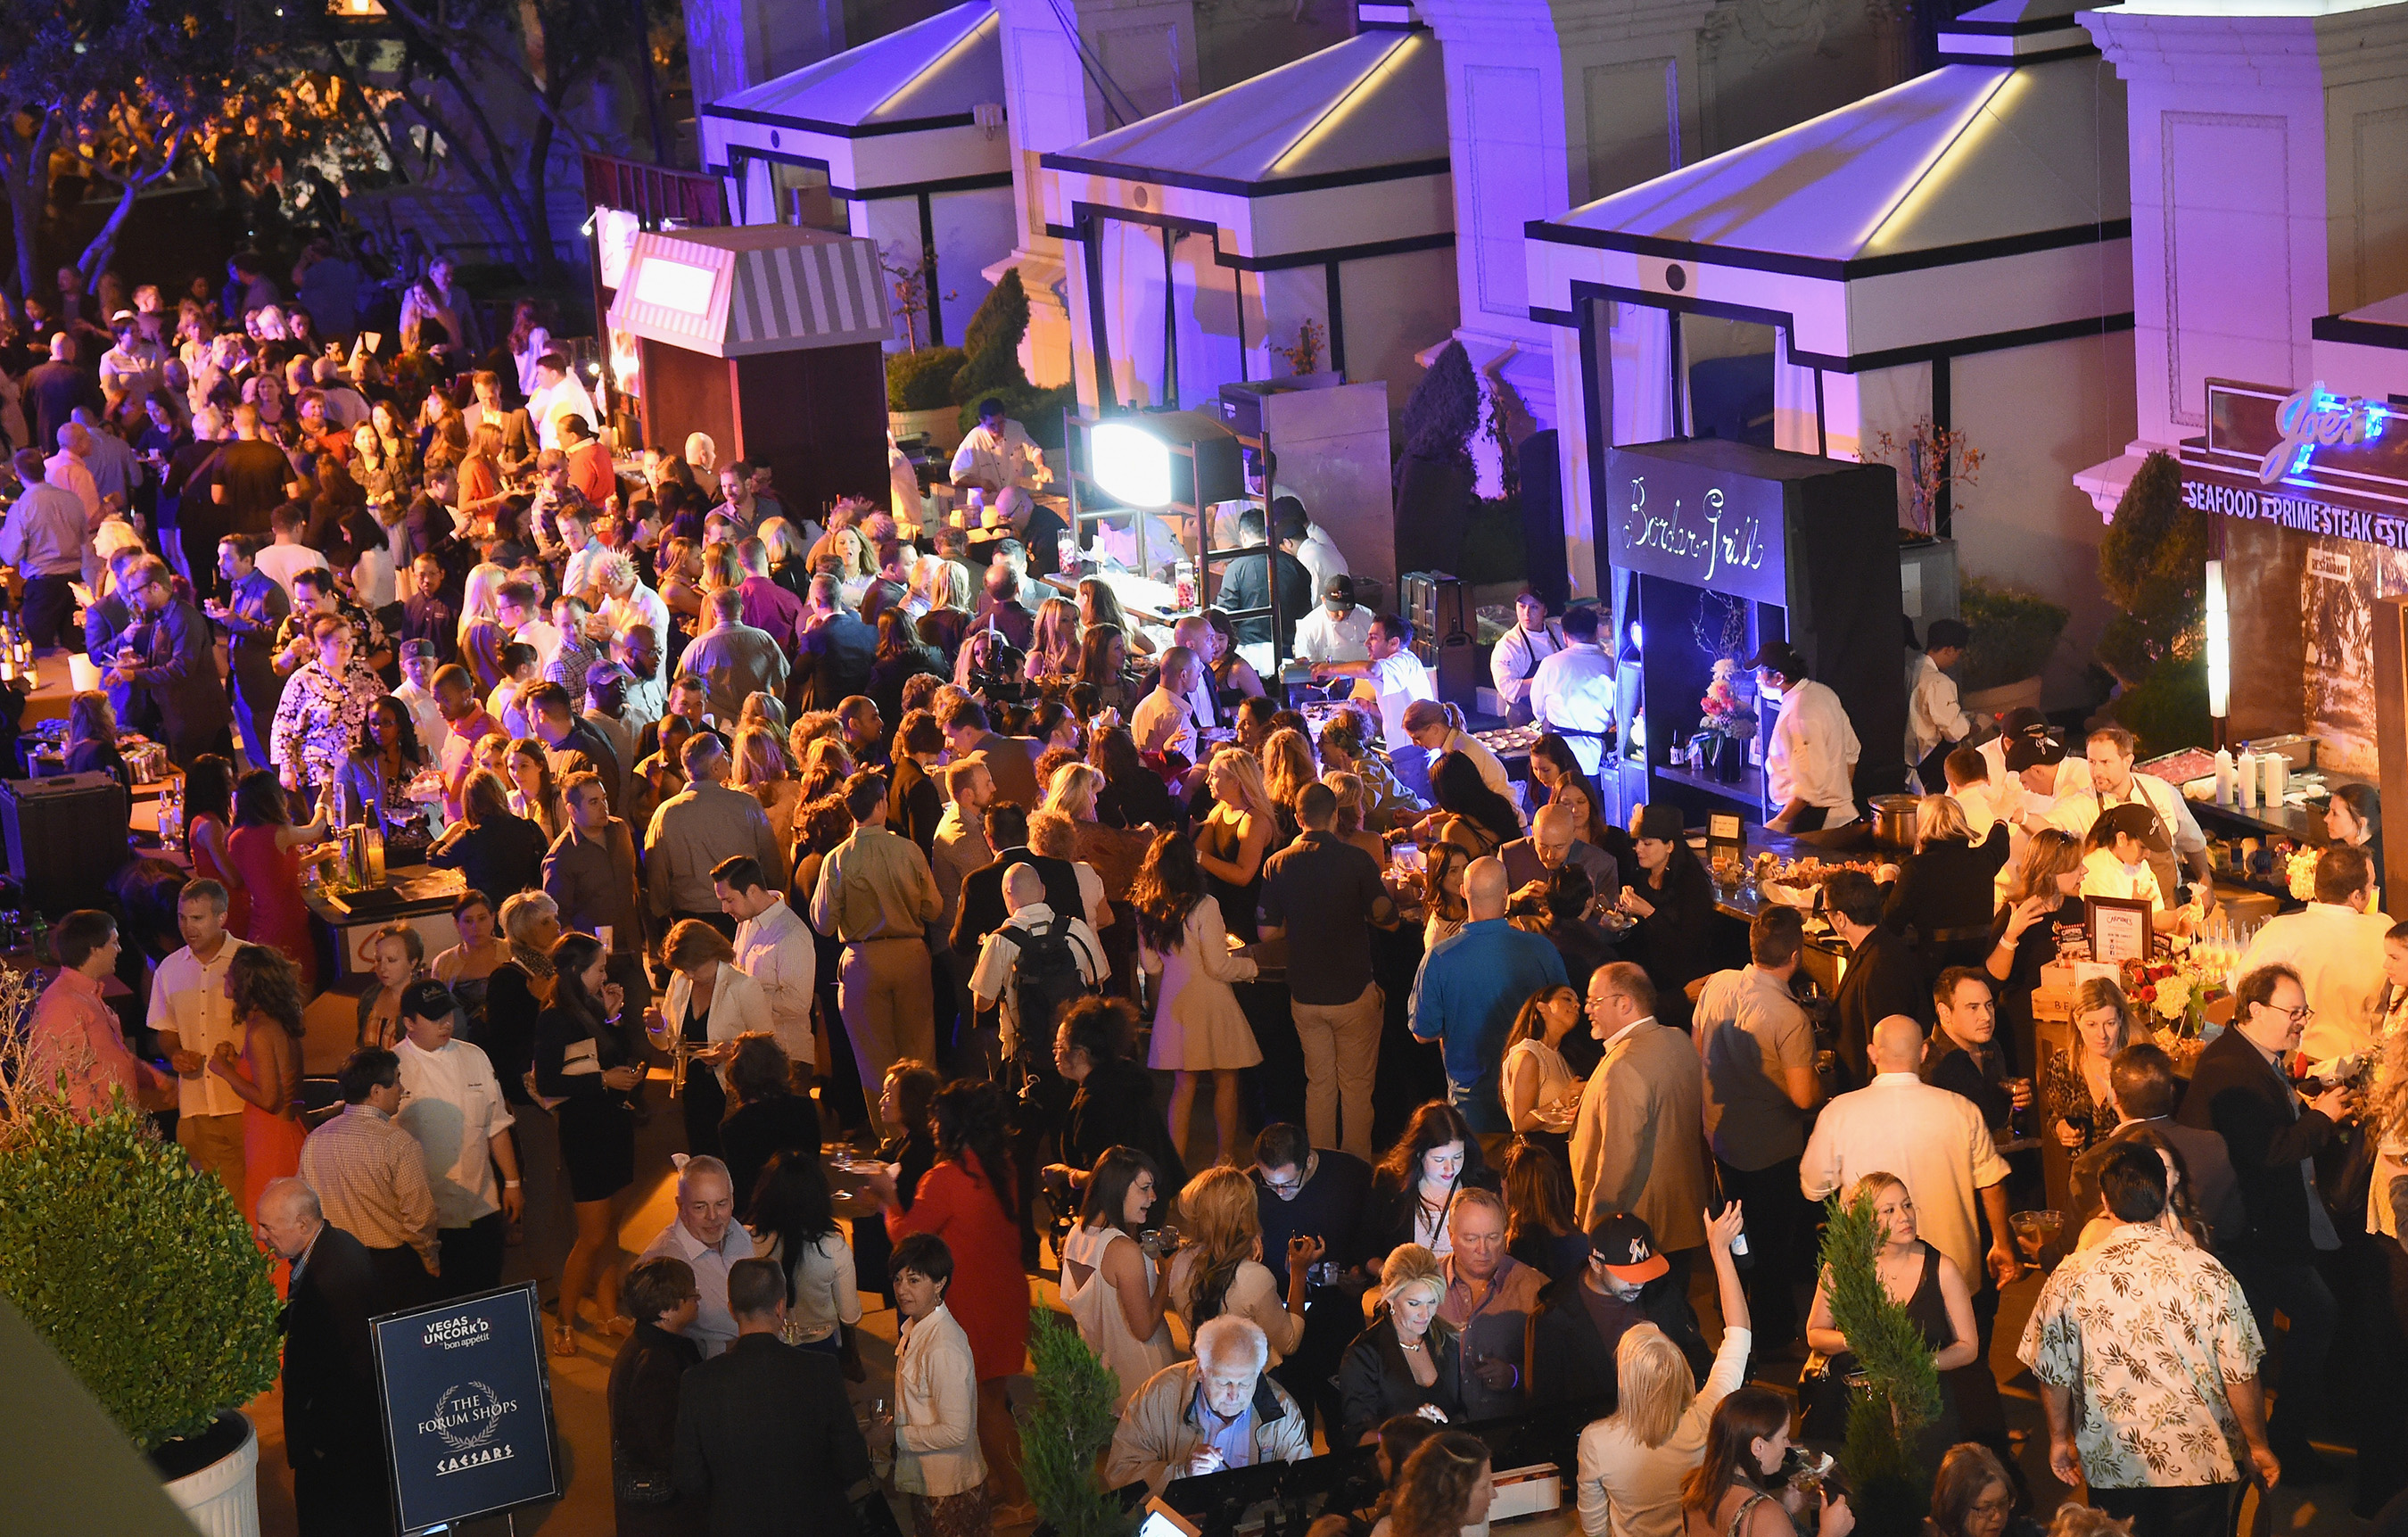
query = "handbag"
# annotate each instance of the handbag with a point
(633, 1485)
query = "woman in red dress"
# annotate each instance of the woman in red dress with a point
(264, 848)
(967, 1199)
(265, 991)
(208, 813)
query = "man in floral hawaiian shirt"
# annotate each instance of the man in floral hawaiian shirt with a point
(2147, 1360)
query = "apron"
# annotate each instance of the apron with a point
(1520, 712)
(2163, 866)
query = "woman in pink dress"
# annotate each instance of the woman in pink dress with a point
(74, 1046)
(263, 851)
(265, 991)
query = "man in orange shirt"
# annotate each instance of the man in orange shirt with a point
(589, 462)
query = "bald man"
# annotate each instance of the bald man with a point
(1469, 989)
(331, 1424)
(993, 982)
(1555, 841)
(1934, 1140)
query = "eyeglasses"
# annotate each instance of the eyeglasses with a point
(2299, 1016)
(1285, 1187)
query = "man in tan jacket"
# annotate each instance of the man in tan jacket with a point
(1217, 1412)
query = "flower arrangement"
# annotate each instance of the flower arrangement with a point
(1725, 712)
(2172, 997)
(2300, 871)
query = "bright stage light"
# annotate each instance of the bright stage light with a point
(1130, 464)
(2220, 644)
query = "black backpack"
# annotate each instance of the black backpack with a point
(1045, 981)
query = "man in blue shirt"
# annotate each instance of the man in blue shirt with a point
(1471, 987)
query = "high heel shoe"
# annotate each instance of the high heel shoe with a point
(563, 1339)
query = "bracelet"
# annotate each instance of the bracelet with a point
(1517, 1376)
(509, 1184)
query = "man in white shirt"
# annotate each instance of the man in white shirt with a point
(1931, 1138)
(706, 1236)
(520, 612)
(1391, 679)
(67, 470)
(1000, 952)
(777, 952)
(1316, 551)
(1164, 721)
(193, 1016)
(1812, 752)
(287, 557)
(2113, 782)
(1533, 639)
(2335, 943)
(627, 602)
(417, 692)
(557, 390)
(2066, 773)
(997, 454)
(1337, 630)
(1935, 722)
(1196, 633)
(1572, 691)
(451, 1104)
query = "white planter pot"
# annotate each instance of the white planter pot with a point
(222, 1498)
(943, 427)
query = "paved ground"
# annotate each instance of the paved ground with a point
(579, 1385)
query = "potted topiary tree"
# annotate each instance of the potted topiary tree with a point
(1899, 1390)
(919, 395)
(2014, 633)
(143, 1276)
(1065, 1434)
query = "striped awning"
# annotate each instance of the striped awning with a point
(756, 288)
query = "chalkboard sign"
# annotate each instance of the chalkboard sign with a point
(1708, 524)
(467, 1407)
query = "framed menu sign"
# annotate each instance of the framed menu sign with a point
(1694, 520)
(2119, 929)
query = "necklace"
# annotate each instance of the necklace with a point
(1413, 1345)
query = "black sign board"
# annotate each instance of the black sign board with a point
(467, 1407)
(1710, 524)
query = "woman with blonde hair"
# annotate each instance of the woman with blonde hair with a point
(1926, 1283)
(785, 551)
(1053, 650)
(1632, 1462)
(720, 568)
(1407, 1361)
(1219, 1266)
(1353, 810)
(1287, 769)
(1231, 843)
(481, 598)
(2074, 1094)
(761, 770)
(1944, 888)
(826, 768)
(1074, 790)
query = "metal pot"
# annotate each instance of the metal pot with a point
(1894, 821)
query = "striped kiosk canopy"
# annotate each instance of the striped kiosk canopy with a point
(751, 289)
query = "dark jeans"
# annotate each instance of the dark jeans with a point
(1278, 1082)
(49, 613)
(1333, 1317)
(2383, 1413)
(1777, 1231)
(404, 1276)
(2299, 1293)
(472, 1256)
(2189, 1510)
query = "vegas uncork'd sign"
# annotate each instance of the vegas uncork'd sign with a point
(467, 1407)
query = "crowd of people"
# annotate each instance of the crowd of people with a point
(866, 828)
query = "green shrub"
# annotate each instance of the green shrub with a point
(1066, 1430)
(1492, 547)
(2152, 563)
(1902, 1392)
(922, 381)
(2168, 709)
(138, 1269)
(2013, 635)
(991, 342)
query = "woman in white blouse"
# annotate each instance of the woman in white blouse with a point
(1632, 1461)
(1219, 1266)
(794, 1222)
(1540, 1093)
(934, 1428)
(709, 1004)
(1112, 1284)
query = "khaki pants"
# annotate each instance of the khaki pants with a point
(215, 1145)
(889, 1006)
(1341, 1058)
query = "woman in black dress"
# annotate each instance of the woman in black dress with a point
(1415, 1184)
(899, 658)
(903, 1105)
(767, 1115)
(518, 988)
(1114, 1105)
(1945, 891)
(1409, 1359)
(2041, 911)
(581, 1069)
(1673, 900)
(492, 849)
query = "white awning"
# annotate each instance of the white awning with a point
(754, 288)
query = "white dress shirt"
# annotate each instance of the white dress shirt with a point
(546, 403)
(1397, 682)
(1321, 558)
(1931, 1138)
(452, 1105)
(2337, 952)
(778, 952)
(713, 1329)
(1813, 750)
(1572, 692)
(999, 459)
(188, 996)
(427, 716)
(642, 606)
(1164, 721)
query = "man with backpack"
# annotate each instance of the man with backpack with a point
(1029, 972)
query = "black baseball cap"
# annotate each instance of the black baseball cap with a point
(1780, 656)
(2023, 721)
(2023, 753)
(1625, 1246)
(1946, 632)
(2139, 821)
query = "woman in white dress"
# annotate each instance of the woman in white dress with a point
(1112, 1285)
(1198, 1026)
(1219, 1267)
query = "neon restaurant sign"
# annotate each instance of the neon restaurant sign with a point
(2307, 460)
